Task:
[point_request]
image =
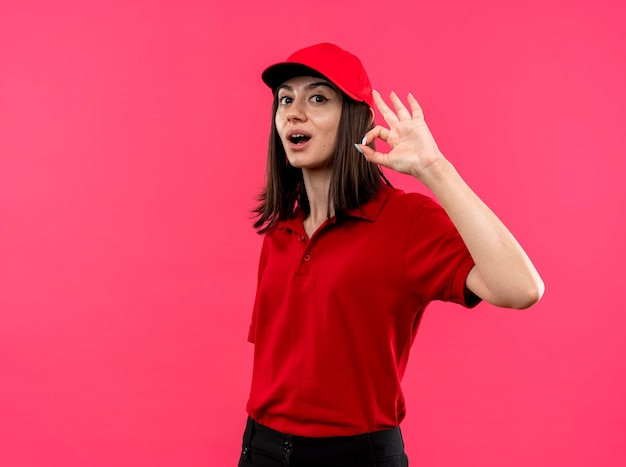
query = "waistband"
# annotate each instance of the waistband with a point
(363, 448)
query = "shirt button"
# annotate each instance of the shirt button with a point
(301, 238)
(306, 258)
(287, 446)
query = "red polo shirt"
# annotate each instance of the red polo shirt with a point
(335, 315)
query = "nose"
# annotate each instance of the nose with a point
(296, 111)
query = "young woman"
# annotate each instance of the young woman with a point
(348, 265)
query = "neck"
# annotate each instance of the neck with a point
(317, 184)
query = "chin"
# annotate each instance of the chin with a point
(307, 166)
(299, 162)
(307, 163)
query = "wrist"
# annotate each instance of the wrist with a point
(435, 172)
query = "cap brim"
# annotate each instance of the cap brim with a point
(277, 74)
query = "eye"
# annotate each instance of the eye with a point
(284, 100)
(319, 99)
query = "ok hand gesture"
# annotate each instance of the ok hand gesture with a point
(413, 148)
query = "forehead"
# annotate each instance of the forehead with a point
(305, 83)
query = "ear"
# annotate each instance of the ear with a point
(372, 115)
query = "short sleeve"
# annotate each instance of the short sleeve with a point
(436, 260)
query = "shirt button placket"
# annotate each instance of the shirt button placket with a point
(305, 264)
(305, 259)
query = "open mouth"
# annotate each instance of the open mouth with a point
(299, 138)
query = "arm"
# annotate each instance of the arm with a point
(504, 275)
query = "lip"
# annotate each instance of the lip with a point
(297, 147)
(297, 131)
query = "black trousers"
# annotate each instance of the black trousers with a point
(264, 447)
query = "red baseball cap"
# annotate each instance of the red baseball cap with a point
(329, 61)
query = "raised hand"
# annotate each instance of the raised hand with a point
(413, 148)
(503, 275)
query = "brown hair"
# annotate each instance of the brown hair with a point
(354, 180)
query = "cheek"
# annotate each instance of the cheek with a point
(333, 131)
(280, 128)
(331, 124)
(277, 121)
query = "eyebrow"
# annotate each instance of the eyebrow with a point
(310, 86)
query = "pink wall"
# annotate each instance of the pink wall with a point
(132, 140)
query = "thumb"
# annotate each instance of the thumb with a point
(371, 155)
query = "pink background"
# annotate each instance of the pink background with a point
(132, 145)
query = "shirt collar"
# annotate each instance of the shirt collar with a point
(294, 224)
(369, 212)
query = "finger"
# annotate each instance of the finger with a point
(379, 132)
(416, 110)
(403, 113)
(376, 157)
(388, 114)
